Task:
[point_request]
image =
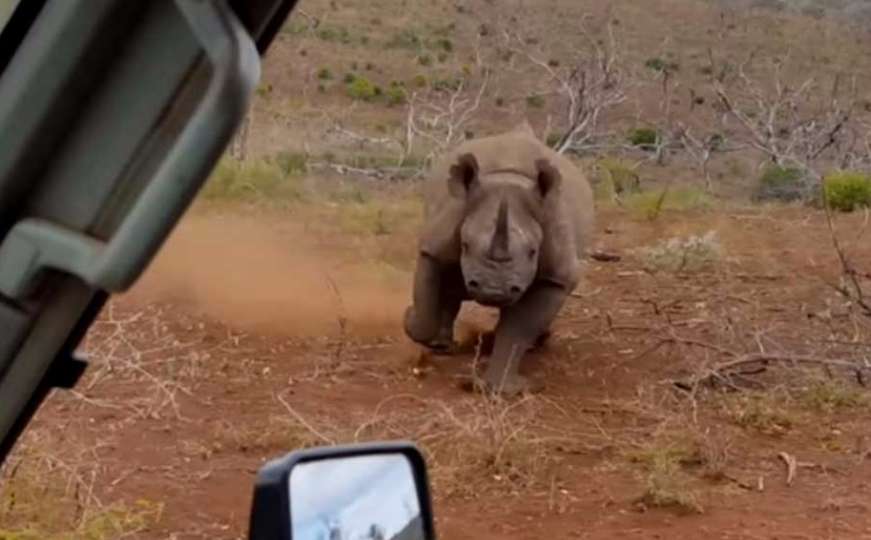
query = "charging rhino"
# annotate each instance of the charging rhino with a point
(507, 222)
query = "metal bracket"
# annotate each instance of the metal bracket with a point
(34, 245)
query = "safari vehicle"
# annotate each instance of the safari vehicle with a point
(112, 115)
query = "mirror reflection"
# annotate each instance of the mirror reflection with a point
(355, 498)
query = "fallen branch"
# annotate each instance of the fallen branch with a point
(749, 364)
(299, 418)
(605, 257)
(791, 466)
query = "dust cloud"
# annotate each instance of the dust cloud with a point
(271, 276)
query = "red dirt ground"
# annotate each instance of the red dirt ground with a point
(185, 400)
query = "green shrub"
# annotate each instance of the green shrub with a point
(292, 163)
(446, 45)
(848, 190)
(447, 85)
(349, 78)
(362, 88)
(618, 176)
(396, 95)
(264, 89)
(442, 57)
(535, 101)
(404, 39)
(419, 81)
(781, 184)
(325, 74)
(274, 179)
(424, 60)
(340, 35)
(658, 64)
(645, 138)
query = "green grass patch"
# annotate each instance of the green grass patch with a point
(616, 177)
(763, 412)
(829, 396)
(276, 178)
(535, 101)
(369, 217)
(651, 204)
(39, 502)
(666, 484)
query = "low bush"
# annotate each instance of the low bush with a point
(847, 191)
(645, 138)
(362, 88)
(535, 101)
(780, 183)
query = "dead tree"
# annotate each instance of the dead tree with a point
(791, 125)
(800, 126)
(589, 87)
(440, 119)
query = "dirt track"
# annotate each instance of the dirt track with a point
(232, 351)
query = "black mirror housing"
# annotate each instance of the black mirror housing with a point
(272, 509)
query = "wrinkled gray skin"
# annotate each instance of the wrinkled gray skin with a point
(507, 222)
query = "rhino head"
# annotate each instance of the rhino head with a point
(501, 235)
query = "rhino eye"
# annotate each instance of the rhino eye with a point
(532, 253)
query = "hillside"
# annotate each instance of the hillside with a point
(338, 83)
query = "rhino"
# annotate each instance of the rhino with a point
(507, 224)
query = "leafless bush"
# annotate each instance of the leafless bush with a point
(589, 87)
(795, 124)
(440, 121)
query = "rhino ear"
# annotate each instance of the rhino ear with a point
(549, 177)
(464, 175)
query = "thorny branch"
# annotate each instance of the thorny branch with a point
(592, 85)
(786, 125)
(442, 124)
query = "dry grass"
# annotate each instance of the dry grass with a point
(666, 481)
(44, 495)
(473, 446)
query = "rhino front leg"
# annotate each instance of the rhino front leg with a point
(519, 329)
(429, 321)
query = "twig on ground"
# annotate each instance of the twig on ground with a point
(791, 466)
(605, 257)
(299, 418)
(725, 372)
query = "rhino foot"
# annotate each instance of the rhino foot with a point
(443, 347)
(507, 387)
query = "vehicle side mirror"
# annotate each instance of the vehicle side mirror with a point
(373, 491)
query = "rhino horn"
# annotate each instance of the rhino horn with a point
(499, 244)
